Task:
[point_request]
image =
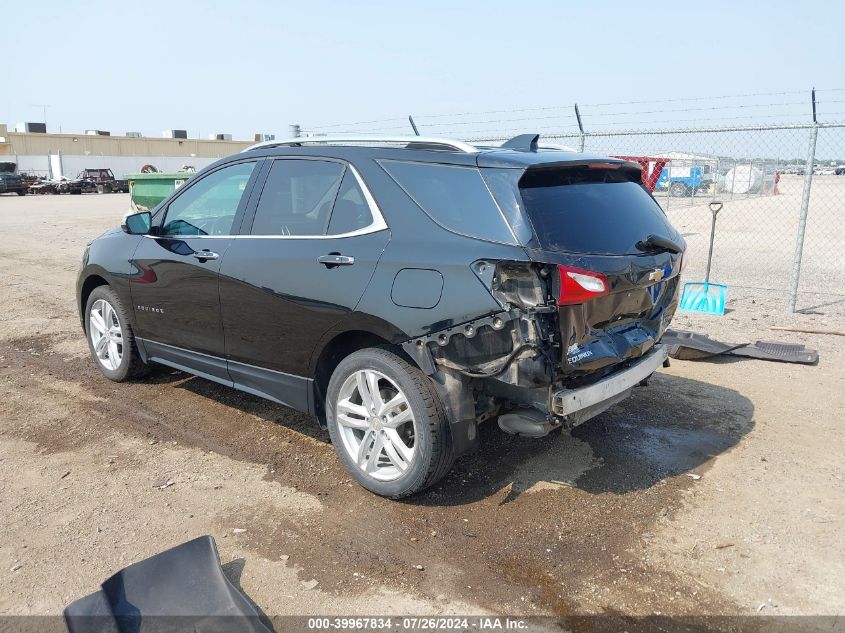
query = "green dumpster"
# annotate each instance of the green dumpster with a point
(147, 190)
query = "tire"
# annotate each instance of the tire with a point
(101, 189)
(678, 190)
(129, 365)
(22, 192)
(431, 453)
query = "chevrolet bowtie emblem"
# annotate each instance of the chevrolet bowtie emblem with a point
(656, 274)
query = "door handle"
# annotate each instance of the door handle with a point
(335, 259)
(206, 255)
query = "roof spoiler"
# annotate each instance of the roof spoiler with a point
(522, 143)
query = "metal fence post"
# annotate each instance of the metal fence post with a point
(802, 220)
(715, 179)
(580, 128)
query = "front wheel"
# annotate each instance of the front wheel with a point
(387, 424)
(110, 337)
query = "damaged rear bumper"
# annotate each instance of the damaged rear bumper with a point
(581, 404)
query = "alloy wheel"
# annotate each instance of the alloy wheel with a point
(376, 424)
(106, 334)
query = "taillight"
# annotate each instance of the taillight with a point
(578, 286)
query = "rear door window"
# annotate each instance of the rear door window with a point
(297, 198)
(583, 210)
(351, 212)
(454, 197)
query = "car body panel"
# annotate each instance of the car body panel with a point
(175, 297)
(463, 297)
(278, 300)
(108, 257)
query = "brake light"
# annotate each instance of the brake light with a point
(578, 286)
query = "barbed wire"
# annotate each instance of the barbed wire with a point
(500, 132)
(425, 118)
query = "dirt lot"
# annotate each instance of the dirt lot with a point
(716, 489)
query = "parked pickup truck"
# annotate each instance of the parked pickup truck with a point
(682, 180)
(10, 180)
(104, 180)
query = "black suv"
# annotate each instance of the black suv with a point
(400, 290)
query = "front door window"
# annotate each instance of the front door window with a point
(209, 206)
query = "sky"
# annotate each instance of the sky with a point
(244, 66)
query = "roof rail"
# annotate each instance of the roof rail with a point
(372, 139)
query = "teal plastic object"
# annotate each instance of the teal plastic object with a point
(704, 297)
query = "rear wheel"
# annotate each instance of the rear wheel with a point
(387, 424)
(21, 192)
(678, 190)
(110, 337)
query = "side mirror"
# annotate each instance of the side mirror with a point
(137, 223)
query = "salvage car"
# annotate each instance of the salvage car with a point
(10, 180)
(401, 290)
(74, 185)
(104, 180)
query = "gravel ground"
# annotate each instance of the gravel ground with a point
(717, 489)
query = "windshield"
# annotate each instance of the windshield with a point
(588, 210)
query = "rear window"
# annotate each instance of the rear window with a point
(454, 197)
(583, 210)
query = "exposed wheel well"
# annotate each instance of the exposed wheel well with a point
(335, 351)
(94, 281)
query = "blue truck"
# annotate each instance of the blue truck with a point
(681, 180)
